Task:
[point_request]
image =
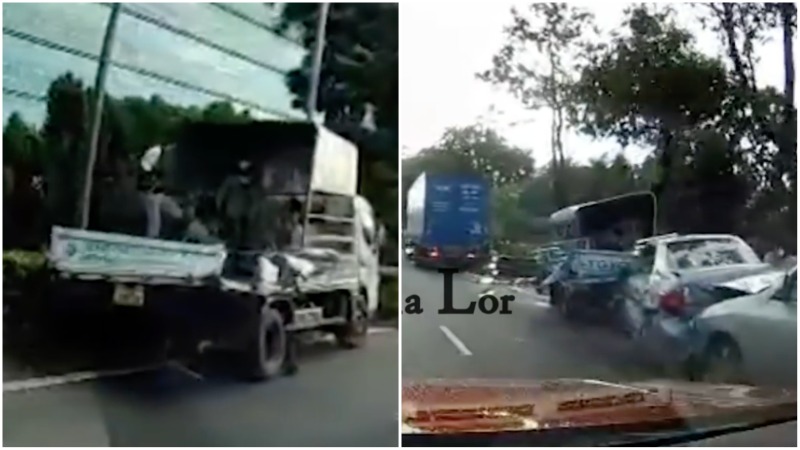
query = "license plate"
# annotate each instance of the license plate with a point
(308, 318)
(128, 295)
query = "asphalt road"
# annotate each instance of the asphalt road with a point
(338, 398)
(532, 342)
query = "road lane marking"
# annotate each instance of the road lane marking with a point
(185, 370)
(530, 298)
(381, 330)
(71, 378)
(327, 337)
(455, 340)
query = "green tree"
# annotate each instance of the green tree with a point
(358, 78)
(654, 88)
(22, 201)
(764, 119)
(65, 132)
(534, 66)
(360, 63)
(130, 126)
(22, 145)
(472, 149)
(476, 150)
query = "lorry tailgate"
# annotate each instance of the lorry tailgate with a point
(82, 252)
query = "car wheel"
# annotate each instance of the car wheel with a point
(722, 363)
(267, 349)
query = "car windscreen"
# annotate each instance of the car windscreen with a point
(709, 252)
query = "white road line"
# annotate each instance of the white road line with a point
(381, 330)
(455, 340)
(327, 337)
(70, 378)
(185, 370)
(531, 298)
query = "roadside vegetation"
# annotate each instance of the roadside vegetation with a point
(721, 147)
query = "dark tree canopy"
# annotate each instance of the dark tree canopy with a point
(360, 62)
(359, 71)
(722, 148)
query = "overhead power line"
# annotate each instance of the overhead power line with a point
(26, 95)
(256, 23)
(199, 39)
(141, 71)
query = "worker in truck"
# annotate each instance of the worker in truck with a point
(270, 222)
(163, 211)
(251, 221)
(296, 223)
(200, 224)
(234, 203)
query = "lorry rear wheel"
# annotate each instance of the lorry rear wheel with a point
(266, 350)
(354, 333)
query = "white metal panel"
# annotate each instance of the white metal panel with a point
(335, 165)
(364, 213)
(415, 206)
(93, 252)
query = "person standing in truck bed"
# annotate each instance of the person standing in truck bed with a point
(233, 203)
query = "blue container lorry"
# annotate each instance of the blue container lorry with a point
(447, 221)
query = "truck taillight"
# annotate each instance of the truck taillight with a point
(673, 302)
(470, 255)
(434, 253)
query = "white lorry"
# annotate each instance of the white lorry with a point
(200, 293)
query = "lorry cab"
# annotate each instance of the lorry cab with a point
(355, 234)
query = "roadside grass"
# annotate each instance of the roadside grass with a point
(19, 265)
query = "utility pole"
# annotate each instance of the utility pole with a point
(316, 67)
(99, 97)
(313, 90)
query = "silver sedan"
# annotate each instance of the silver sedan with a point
(751, 339)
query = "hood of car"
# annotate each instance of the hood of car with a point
(469, 406)
(746, 278)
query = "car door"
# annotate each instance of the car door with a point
(769, 335)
